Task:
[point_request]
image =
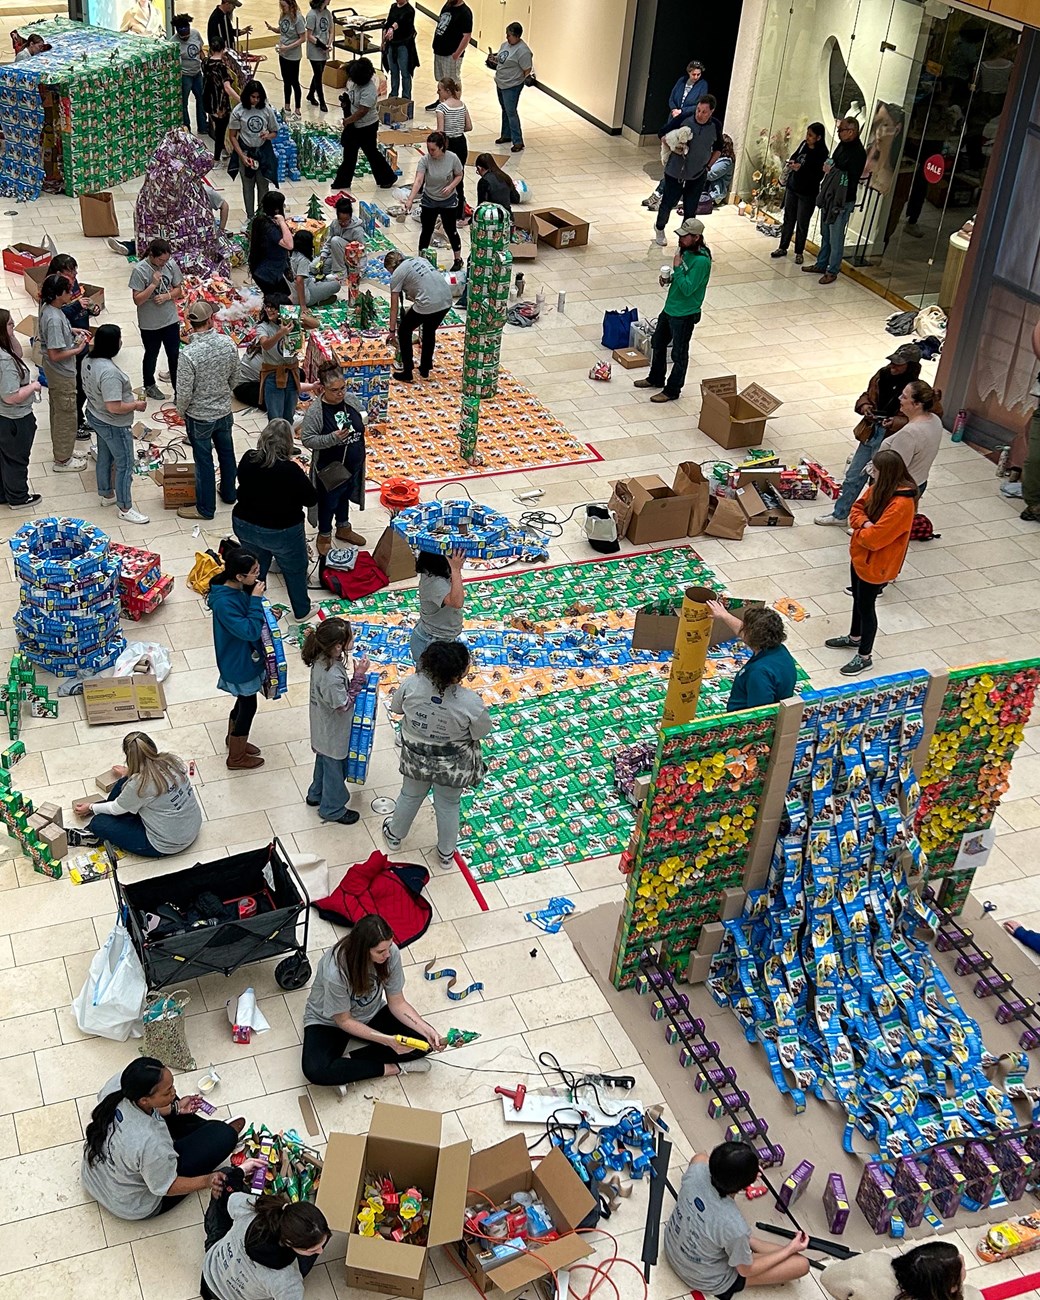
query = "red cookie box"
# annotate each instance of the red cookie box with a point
(136, 606)
(139, 570)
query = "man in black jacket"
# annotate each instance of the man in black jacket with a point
(841, 176)
(221, 23)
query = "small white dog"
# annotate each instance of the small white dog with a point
(677, 141)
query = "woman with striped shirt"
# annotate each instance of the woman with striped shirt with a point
(454, 121)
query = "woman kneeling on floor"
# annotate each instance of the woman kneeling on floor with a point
(262, 1249)
(146, 1149)
(358, 992)
(152, 810)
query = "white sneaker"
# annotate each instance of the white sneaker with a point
(419, 1066)
(164, 376)
(133, 516)
(391, 840)
(107, 501)
(446, 861)
(74, 465)
(830, 521)
(1011, 489)
(659, 238)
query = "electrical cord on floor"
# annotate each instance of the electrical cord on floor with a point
(547, 522)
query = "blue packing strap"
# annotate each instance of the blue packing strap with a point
(452, 977)
(550, 917)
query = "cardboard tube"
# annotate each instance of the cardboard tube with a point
(691, 651)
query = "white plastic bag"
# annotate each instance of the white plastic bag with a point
(111, 1002)
(157, 656)
(314, 872)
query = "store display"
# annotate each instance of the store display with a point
(490, 264)
(61, 110)
(68, 619)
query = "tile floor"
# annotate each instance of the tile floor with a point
(972, 595)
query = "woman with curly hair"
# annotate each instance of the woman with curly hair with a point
(770, 674)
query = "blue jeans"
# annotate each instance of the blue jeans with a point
(286, 545)
(125, 831)
(115, 445)
(328, 786)
(418, 643)
(280, 402)
(510, 101)
(718, 180)
(399, 60)
(205, 436)
(856, 474)
(677, 331)
(193, 86)
(832, 241)
(333, 506)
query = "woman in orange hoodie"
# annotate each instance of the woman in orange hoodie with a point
(881, 519)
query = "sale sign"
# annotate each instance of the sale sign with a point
(934, 168)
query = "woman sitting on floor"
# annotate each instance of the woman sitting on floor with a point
(934, 1271)
(152, 809)
(259, 1249)
(358, 993)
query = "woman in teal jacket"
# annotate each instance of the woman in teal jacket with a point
(238, 621)
(770, 675)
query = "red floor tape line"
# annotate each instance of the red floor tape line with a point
(1017, 1286)
(474, 888)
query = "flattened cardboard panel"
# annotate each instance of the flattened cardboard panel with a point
(405, 1124)
(449, 1201)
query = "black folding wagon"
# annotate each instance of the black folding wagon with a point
(250, 910)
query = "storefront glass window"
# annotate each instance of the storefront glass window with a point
(926, 83)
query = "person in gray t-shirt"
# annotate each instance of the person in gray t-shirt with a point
(130, 1163)
(361, 128)
(706, 1239)
(268, 1249)
(441, 597)
(155, 285)
(438, 177)
(358, 993)
(152, 810)
(514, 68)
(430, 296)
(336, 682)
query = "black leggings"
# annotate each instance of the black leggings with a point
(202, 1146)
(323, 1047)
(242, 715)
(317, 86)
(363, 139)
(459, 146)
(864, 615)
(248, 392)
(449, 220)
(220, 126)
(290, 69)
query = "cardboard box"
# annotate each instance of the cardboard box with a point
(506, 1168)
(756, 511)
(402, 135)
(50, 812)
(106, 781)
(395, 109)
(55, 838)
(92, 295)
(19, 257)
(97, 213)
(653, 511)
(405, 1143)
(560, 228)
(690, 482)
(394, 556)
(123, 699)
(178, 484)
(630, 358)
(735, 419)
(655, 631)
(524, 250)
(335, 74)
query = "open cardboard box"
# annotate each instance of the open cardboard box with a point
(406, 1144)
(395, 109)
(506, 1168)
(92, 295)
(560, 228)
(757, 512)
(139, 697)
(735, 419)
(523, 250)
(656, 631)
(648, 510)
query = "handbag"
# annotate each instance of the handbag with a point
(616, 327)
(335, 474)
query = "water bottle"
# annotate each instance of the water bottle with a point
(561, 301)
(539, 300)
(960, 423)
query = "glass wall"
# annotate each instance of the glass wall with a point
(927, 84)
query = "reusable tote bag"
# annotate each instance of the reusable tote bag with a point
(111, 1001)
(616, 327)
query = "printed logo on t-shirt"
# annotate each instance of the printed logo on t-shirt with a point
(324, 28)
(192, 50)
(256, 123)
(443, 22)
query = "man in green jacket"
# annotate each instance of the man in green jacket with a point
(687, 283)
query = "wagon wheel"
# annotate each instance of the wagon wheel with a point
(293, 973)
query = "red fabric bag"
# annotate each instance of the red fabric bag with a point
(351, 584)
(383, 888)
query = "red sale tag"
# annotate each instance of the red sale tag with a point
(934, 168)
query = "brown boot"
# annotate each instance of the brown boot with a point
(250, 749)
(324, 543)
(237, 755)
(347, 534)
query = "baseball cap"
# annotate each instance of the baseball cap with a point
(199, 312)
(691, 226)
(906, 354)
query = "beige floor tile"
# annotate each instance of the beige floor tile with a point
(25, 989)
(48, 1238)
(99, 1275)
(19, 1085)
(48, 1126)
(41, 1183)
(8, 1137)
(169, 1265)
(28, 1033)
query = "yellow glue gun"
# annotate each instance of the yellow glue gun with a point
(416, 1044)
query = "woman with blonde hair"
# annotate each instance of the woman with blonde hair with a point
(152, 810)
(273, 494)
(453, 121)
(336, 682)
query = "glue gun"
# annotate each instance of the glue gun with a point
(416, 1044)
